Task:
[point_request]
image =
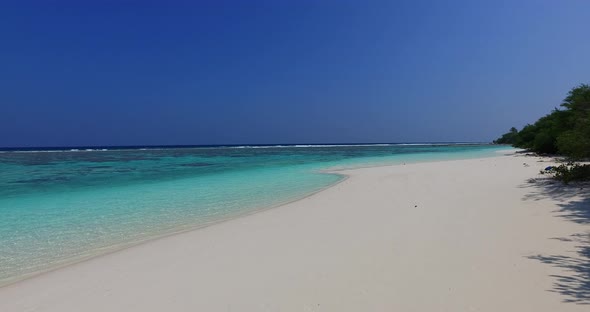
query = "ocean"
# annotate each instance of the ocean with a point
(59, 206)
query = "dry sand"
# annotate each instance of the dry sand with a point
(468, 235)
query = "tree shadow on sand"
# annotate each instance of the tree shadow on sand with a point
(575, 286)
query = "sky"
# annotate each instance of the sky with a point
(80, 73)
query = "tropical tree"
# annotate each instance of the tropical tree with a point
(564, 131)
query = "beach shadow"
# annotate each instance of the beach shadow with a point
(575, 286)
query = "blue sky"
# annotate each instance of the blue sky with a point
(234, 72)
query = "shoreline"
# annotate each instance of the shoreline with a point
(122, 246)
(383, 237)
(117, 248)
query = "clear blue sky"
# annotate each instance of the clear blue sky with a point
(233, 72)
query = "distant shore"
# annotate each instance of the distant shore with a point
(458, 235)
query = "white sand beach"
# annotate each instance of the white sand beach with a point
(467, 235)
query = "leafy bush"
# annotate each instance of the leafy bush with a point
(508, 138)
(574, 144)
(564, 131)
(569, 172)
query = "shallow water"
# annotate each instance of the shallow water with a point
(64, 205)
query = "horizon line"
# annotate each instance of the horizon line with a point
(16, 148)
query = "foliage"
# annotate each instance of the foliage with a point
(565, 132)
(509, 137)
(569, 172)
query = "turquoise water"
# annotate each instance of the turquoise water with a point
(61, 206)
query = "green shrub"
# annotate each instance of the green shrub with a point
(575, 144)
(569, 172)
(565, 131)
(509, 137)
